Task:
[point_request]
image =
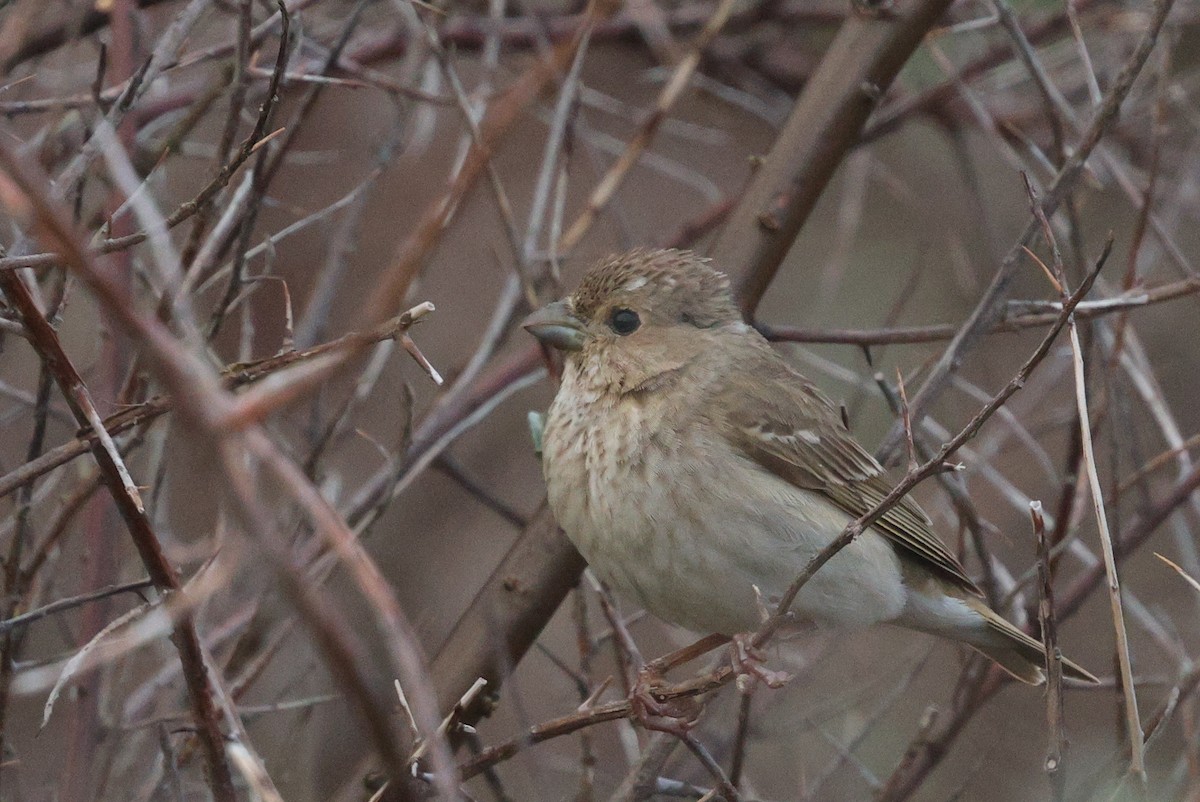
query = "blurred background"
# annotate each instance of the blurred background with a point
(444, 153)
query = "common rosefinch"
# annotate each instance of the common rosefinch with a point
(690, 464)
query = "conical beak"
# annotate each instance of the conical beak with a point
(556, 326)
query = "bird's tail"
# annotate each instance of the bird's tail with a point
(1014, 651)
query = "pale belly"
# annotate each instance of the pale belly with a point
(690, 540)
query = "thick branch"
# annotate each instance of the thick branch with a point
(824, 125)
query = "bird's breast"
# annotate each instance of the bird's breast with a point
(605, 458)
(596, 453)
(625, 483)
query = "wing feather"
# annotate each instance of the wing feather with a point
(787, 426)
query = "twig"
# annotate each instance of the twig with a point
(72, 603)
(666, 662)
(544, 732)
(1137, 765)
(555, 154)
(906, 420)
(1048, 93)
(628, 657)
(741, 736)
(956, 489)
(452, 468)
(241, 749)
(583, 644)
(453, 719)
(935, 332)
(643, 776)
(1056, 737)
(1179, 570)
(711, 766)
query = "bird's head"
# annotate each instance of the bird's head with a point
(639, 317)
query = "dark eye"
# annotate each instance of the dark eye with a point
(624, 321)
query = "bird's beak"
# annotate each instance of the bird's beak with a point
(556, 326)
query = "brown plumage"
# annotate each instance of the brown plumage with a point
(692, 465)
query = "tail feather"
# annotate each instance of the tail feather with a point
(1016, 652)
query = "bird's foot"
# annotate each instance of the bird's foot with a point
(748, 662)
(652, 711)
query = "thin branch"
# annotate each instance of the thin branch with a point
(75, 601)
(1056, 737)
(711, 766)
(1137, 765)
(741, 736)
(935, 332)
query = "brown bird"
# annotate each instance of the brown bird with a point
(694, 469)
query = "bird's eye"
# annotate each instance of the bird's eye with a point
(624, 321)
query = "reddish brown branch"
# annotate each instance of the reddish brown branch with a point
(115, 476)
(1048, 624)
(70, 604)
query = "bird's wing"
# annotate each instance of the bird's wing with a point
(787, 426)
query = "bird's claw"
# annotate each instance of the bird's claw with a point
(748, 662)
(673, 716)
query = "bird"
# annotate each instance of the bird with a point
(698, 472)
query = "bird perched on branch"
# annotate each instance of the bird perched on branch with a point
(695, 469)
